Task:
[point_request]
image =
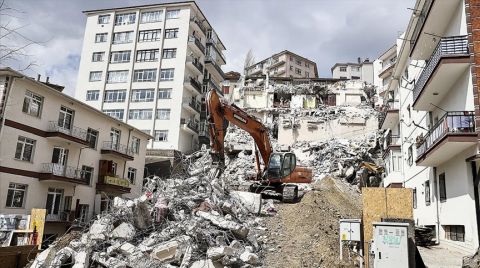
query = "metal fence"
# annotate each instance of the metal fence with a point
(76, 132)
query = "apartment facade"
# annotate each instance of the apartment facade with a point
(430, 116)
(284, 64)
(383, 67)
(62, 155)
(362, 70)
(149, 66)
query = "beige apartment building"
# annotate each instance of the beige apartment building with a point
(361, 70)
(284, 64)
(62, 155)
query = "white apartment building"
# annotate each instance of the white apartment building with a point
(429, 114)
(64, 156)
(383, 67)
(284, 64)
(362, 70)
(149, 66)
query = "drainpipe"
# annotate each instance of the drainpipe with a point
(435, 184)
(476, 180)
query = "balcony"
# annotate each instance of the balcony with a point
(75, 134)
(113, 184)
(392, 143)
(189, 125)
(388, 117)
(57, 172)
(277, 62)
(434, 17)
(452, 134)
(196, 45)
(116, 149)
(198, 24)
(195, 65)
(209, 61)
(193, 85)
(192, 105)
(256, 70)
(387, 69)
(212, 45)
(450, 59)
(61, 217)
(211, 85)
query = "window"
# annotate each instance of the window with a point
(24, 150)
(117, 77)
(67, 203)
(87, 173)
(414, 197)
(171, 33)
(355, 77)
(98, 56)
(115, 135)
(132, 174)
(92, 137)
(442, 188)
(124, 19)
(65, 118)
(358, 69)
(409, 112)
(116, 95)
(135, 145)
(143, 95)
(455, 232)
(120, 56)
(149, 35)
(427, 193)
(172, 14)
(167, 74)
(95, 76)
(343, 77)
(32, 104)
(410, 155)
(144, 75)
(396, 163)
(151, 16)
(307, 65)
(103, 19)
(92, 95)
(291, 68)
(16, 195)
(343, 69)
(122, 37)
(106, 202)
(147, 55)
(169, 53)
(161, 135)
(291, 58)
(163, 114)
(299, 62)
(298, 71)
(101, 37)
(307, 74)
(115, 113)
(165, 93)
(147, 131)
(140, 114)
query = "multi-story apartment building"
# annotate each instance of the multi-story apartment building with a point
(149, 66)
(431, 118)
(284, 64)
(62, 155)
(383, 67)
(355, 71)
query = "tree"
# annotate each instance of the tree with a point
(14, 45)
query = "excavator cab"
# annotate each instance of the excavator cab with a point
(281, 165)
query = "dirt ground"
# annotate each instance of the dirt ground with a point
(305, 234)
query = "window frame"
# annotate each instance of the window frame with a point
(87, 170)
(114, 95)
(145, 75)
(343, 69)
(152, 35)
(113, 112)
(171, 33)
(101, 37)
(142, 95)
(30, 99)
(92, 133)
(24, 141)
(14, 190)
(117, 76)
(163, 114)
(427, 193)
(98, 56)
(140, 114)
(164, 72)
(92, 76)
(159, 133)
(95, 93)
(165, 91)
(125, 18)
(101, 20)
(442, 189)
(122, 56)
(147, 55)
(169, 53)
(176, 13)
(132, 175)
(124, 37)
(157, 18)
(135, 146)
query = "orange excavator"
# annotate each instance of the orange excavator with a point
(280, 168)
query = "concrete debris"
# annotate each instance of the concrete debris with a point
(182, 221)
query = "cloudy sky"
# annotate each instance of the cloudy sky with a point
(325, 31)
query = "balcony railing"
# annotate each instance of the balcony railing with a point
(197, 42)
(195, 62)
(76, 132)
(448, 46)
(62, 216)
(194, 104)
(209, 59)
(195, 84)
(219, 53)
(119, 148)
(210, 84)
(421, 20)
(199, 24)
(64, 171)
(390, 105)
(191, 124)
(450, 123)
(392, 140)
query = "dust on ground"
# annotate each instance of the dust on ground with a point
(305, 234)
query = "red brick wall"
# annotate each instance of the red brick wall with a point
(472, 10)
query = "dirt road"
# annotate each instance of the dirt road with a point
(305, 234)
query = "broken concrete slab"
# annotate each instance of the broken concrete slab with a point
(216, 253)
(124, 231)
(219, 221)
(251, 201)
(165, 251)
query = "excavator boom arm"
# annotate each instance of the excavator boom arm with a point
(218, 110)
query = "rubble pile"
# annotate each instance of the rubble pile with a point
(339, 158)
(188, 220)
(327, 113)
